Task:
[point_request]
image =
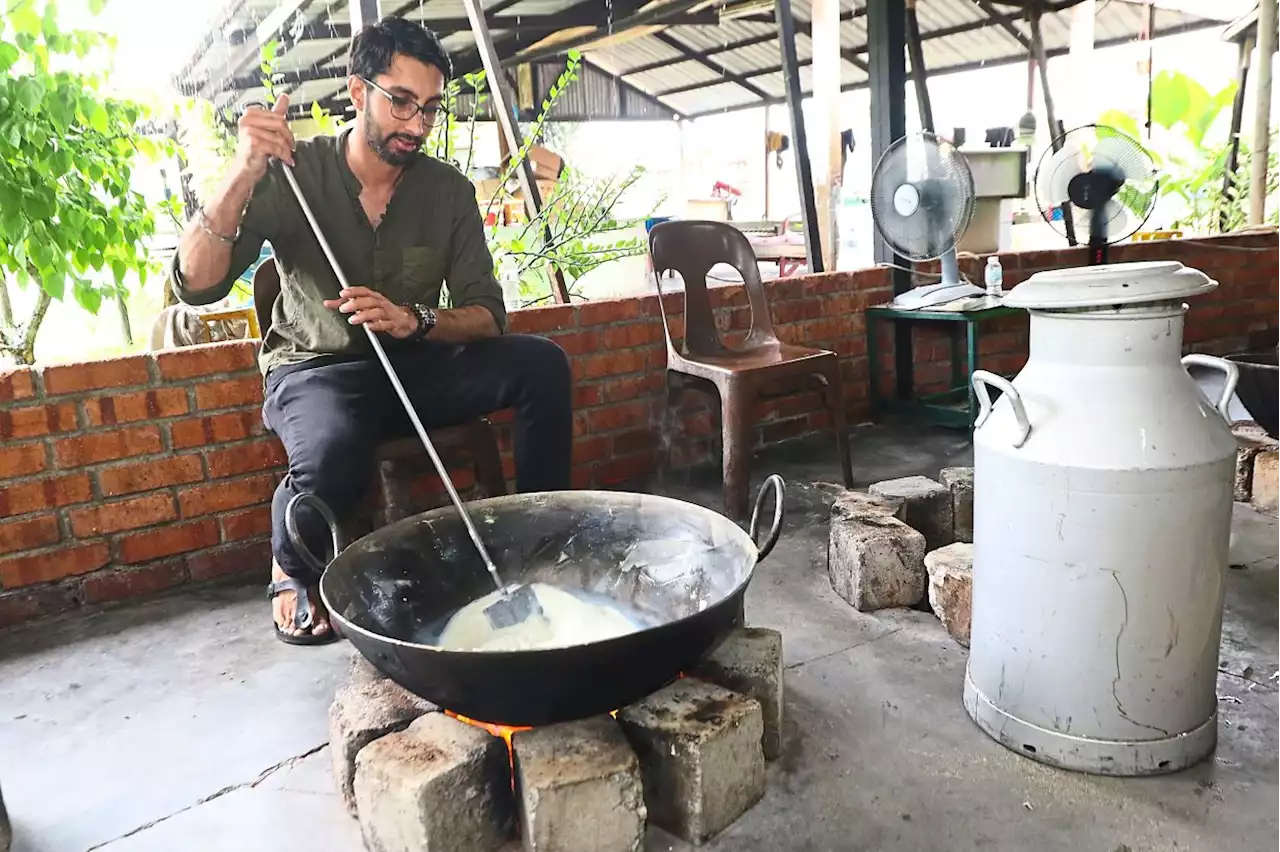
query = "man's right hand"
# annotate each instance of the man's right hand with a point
(263, 135)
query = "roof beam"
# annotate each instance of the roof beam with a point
(660, 13)
(1005, 24)
(725, 73)
(247, 53)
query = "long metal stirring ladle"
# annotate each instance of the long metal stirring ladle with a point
(517, 603)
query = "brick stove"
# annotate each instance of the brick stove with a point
(689, 758)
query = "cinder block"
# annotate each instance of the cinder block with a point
(578, 788)
(749, 661)
(363, 671)
(360, 714)
(927, 507)
(951, 588)
(700, 756)
(873, 558)
(1266, 487)
(959, 480)
(439, 785)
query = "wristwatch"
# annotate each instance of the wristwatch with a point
(426, 319)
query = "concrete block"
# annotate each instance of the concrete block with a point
(1266, 487)
(361, 713)
(873, 558)
(363, 671)
(951, 588)
(578, 788)
(1251, 439)
(927, 507)
(700, 756)
(6, 831)
(749, 661)
(959, 480)
(439, 785)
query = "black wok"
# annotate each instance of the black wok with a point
(684, 567)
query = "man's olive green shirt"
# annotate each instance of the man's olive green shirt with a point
(431, 234)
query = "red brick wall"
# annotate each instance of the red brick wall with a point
(125, 477)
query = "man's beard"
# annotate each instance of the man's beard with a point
(381, 145)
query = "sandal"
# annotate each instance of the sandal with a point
(302, 618)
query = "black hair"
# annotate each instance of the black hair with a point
(376, 45)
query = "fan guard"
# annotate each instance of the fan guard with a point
(922, 196)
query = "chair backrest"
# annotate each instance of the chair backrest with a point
(266, 289)
(692, 248)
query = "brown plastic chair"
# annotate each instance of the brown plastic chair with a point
(474, 437)
(738, 373)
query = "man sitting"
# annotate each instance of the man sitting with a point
(400, 223)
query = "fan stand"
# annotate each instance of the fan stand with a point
(1098, 236)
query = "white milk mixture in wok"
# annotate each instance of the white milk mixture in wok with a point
(567, 619)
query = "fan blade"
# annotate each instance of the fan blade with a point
(1051, 182)
(1121, 155)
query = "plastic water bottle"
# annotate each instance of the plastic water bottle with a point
(994, 275)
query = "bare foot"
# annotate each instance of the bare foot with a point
(284, 607)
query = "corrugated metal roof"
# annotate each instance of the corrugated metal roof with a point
(711, 53)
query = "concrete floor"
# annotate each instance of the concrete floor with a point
(181, 724)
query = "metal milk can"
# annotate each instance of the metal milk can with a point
(1103, 484)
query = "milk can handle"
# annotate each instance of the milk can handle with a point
(982, 378)
(775, 484)
(1228, 387)
(295, 536)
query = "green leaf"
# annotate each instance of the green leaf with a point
(30, 93)
(119, 269)
(88, 298)
(8, 55)
(49, 25)
(25, 21)
(96, 6)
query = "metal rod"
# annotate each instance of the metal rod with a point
(1237, 118)
(395, 383)
(1262, 112)
(1055, 132)
(804, 173)
(918, 73)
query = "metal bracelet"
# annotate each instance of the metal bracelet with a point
(204, 226)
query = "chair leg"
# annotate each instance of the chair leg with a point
(487, 460)
(670, 422)
(735, 407)
(835, 404)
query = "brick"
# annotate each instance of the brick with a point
(130, 514)
(951, 588)
(625, 468)
(149, 475)
(22, 460)
(53, 564)
(608, 311)
(43, 494)
(874, 560)
(437, 786)
(230, 393)
(191, 361)
(610, 364)
(250, 559)
(1266, 488)
(16, 383)
(576, 342)
(749, 661)
(107, 446)
(227, 494)
(131, 407)
(928, 507)
(609, 418)
(361, 713)
(543, 320)
(127, 584)
(97, 375)
(216, 429)
(247, 523)
(585, 396)
(168, 541)
(23, 605)
(578, 787)
(246, 458)
(631, 387)
(36, 421)
(700, 756)
(631, 334)
(29, 534)
(636, 441)
(959, 481)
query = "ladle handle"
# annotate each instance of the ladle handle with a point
(1231, 378)
(295, 536)
(775, 529)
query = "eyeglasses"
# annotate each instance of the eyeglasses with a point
(403, 109)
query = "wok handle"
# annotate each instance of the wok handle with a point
(295, 537)
(775, 529)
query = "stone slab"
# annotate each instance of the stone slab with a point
(749, 661)
(927, 507)
(959, 480)
(1265, 494)
(951, 588)
(363, 671)
(700, 755)
(361, 713)
(578, 788)
(874, 560)
(439, 785)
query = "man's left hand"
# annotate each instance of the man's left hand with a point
(369, 307)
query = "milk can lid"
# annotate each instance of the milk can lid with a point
(1108, 285)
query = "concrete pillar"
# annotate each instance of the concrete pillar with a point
(827, 171)
(365, 12)
(1262, 111)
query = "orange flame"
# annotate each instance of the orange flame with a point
(504, 731)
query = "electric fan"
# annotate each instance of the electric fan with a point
(922, 199)
(1100, 183)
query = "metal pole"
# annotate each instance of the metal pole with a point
(1037, 44)
(364, 12)
(1262, 112)
(919, 74)
(1237, 118)
(504, 105)
(804, 174)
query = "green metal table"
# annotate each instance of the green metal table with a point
(957, 406)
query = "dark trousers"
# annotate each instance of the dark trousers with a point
(332, 416)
